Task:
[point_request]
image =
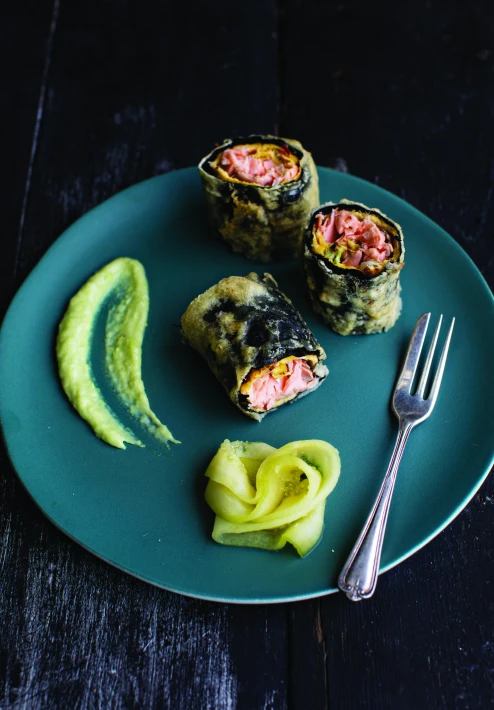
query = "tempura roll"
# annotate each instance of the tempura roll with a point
(255, 342)
(353, 256)
(260, 191)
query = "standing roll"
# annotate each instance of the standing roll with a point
(353, 256)
(260, 191)
(255, 342)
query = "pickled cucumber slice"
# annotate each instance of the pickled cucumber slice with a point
(285, 502)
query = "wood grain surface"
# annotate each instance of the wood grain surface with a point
(103, 93)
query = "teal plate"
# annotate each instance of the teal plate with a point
(142, 510)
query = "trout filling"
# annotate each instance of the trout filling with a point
(264, 164)
(279, 382)
(352, 241)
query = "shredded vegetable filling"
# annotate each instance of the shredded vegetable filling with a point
(276, 384)
(348, 241)
(264, 164)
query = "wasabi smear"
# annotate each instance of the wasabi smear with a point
(125, 326)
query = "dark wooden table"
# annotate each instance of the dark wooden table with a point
(99, 94)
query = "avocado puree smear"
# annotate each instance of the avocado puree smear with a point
(124, 333)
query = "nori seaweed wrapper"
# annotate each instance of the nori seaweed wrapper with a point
(245, 323)
(261, 222)
(349, 301)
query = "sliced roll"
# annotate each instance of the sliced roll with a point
(353, 256)
(255, 342)
(260, 192)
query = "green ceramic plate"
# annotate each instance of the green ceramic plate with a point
(142, 509)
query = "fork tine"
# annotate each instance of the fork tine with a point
(413, 353)
(440, 368)
(428, 362)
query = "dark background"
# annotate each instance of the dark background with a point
(98, 94)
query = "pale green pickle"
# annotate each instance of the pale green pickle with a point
(285, 502)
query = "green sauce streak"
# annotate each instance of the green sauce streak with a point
(125, 327)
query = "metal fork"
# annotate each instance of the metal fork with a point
(358, 577)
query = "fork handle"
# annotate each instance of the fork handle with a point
(358, 577)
